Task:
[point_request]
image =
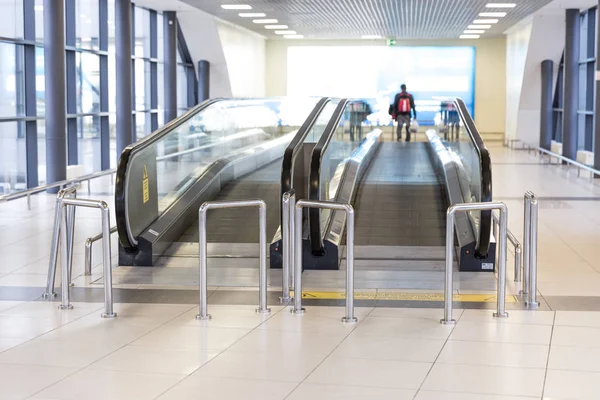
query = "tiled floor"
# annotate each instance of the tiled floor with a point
(159, 351)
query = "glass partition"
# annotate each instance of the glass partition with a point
(160, 168)
(348, 127)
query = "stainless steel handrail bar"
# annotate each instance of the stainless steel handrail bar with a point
(297, 248)
(448, 284)
(88, 250)
(516, 244)
(203, 253)
(60, 184)
(288, 205)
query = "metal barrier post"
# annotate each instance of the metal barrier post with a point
(533, 241)
(63, 193)
(106, 251)
(502, 248)
(203, 254)
(347, 208)
(292, 233)
(527, 244)
(515, 243)
(286, 236)
(88, 250)
(518, 258)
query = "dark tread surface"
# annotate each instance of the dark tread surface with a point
(400, 201)
(240, 225)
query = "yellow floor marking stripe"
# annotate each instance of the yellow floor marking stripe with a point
(407, 296)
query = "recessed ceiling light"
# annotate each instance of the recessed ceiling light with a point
(371, 36)
(480, 26)
(469, 36)
(293, 36)
(285, 32)
(236, 7)
(501, 5)
(493, 14)
(485, 21)
(265, 21)
(252, 15)
(276, 26)
(471, 31)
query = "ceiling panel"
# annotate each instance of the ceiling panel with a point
(401, 19)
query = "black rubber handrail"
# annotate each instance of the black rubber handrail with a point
(291, 152)
(125, 159)
(314, 214)
(485, 164)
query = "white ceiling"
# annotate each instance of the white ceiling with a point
(351, 19)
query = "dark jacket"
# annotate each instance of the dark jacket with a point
(412, 104)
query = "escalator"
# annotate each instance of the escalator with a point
(221, 150)
(218, 150)
(400, 192)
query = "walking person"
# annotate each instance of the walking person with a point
(404, 104)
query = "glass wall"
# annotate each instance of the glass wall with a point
(90, 87)
(586, 87)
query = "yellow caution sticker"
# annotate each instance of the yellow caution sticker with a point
(145, 186)
(407, 296)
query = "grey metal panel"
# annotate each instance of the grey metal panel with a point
(571, 85)
(406, 19)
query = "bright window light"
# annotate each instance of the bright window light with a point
(470, 36)
(371, 36)
(501, 5)
(493, 14)
(285, 32)
(293, 36)
(265, 21)
(252, 15)
(236, 7)
(480, 26)
(276, 26)
(486, 21)
(471, 31)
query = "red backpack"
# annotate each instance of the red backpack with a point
(404, 103)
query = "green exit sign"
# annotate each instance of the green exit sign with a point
(391, 42)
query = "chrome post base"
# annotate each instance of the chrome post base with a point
(533, 305)
(448, 321)
(298, 312)
(347, 320)
(49, 296)
(263, 311)
(206, 317)
(285, 300)
(67, 307)
(502, 315)
(108, 316)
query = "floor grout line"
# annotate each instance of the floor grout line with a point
(548, 359)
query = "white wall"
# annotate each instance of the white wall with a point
(245, 56)
(490, 75)
(528, 44)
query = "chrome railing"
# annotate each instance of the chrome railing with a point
(60, 184)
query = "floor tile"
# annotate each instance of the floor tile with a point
(9, 343)
(155, 360)
(502, 332)
(494, 354)
(113, 385)
(263, 366)
(21, 381)
(287, 342)
(317, 322)
(578, 318)
(572, 385)
(510, 381)
(62, 354)
(576, 336)
(318, 391)
(212, 388)
(5, 305)
(227, 317)
(378, 373)
(429, 395)
(41, 309)
(390, 348)
(575, 358)
(404, 327)
(426, 313)
(515, 317)
(205, 338)
(15, 327)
